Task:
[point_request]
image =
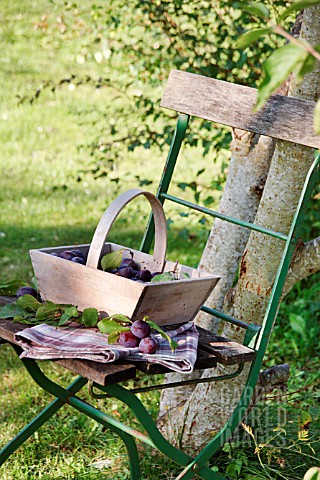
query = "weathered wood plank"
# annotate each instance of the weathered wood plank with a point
(226, 351)
(286, 118)
(101, 373)
(8, 329)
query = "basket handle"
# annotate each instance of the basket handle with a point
(109, 217)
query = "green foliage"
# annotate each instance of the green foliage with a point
(27, 309)
(11, 287)
(257, 9)
(112, 260)
(12, 310)
(279, 65)
(137, 45)
(112, 328)
(252, 36)
(89, 317)
(70, 313)
(28, 303)
(297, 7)
(297, 329)
(297, 57)
(163, 277)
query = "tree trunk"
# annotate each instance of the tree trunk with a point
(194, 421)
(250, 160)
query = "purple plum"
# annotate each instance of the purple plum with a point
(128, 340)
(140, 329)
(148, 345)
(27, 291)
(80, 260)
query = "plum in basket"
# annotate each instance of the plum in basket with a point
(125, 271)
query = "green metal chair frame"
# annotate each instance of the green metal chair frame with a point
(256, 337)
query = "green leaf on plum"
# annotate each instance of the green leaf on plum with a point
(113, 337)
(172, 343)
(90, 317)
(120, 317)
(163, 277)
(48, 311)
(69, 313)
(12, 310)
(107, 325)
(72, 311)
(112, 260)
(28, 302)
(65, 318)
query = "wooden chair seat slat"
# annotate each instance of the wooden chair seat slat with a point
(226, 351)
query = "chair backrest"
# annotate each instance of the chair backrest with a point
(285, 118)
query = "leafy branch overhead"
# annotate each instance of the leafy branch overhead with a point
(297, 56)
(132, 63)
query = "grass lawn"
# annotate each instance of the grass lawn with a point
(46, 148)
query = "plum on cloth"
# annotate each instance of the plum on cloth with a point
(44, 342)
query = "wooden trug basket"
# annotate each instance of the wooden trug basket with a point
(66, 282)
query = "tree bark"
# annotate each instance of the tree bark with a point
(193, 422)
(250, 161)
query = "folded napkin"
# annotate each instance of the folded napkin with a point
(45, 342)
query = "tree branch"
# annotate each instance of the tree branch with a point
(305, 263)
(281, 31)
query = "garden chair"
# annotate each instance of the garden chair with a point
(282, 117)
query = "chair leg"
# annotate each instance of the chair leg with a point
(64, 396)
(132, 455)
(192, 466)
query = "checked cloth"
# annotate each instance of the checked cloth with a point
(44, 342)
